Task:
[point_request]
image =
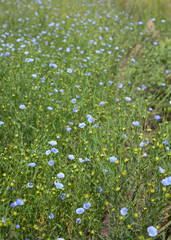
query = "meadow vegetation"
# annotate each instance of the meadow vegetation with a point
(85, 120)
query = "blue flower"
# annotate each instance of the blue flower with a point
(82, 125)
(120, 85)
(166, 181)
(128, 99)
(4, 219)
(74, 100)
(78, 220)
(117, 100)
(51, 216)
(30, 185)
(60, 175)
(63, 196)
(150, 109)
(152, 231)
(101, 103)
(163, 84)
(136, 123)
(87, 159)
(165, 142)
(110, 82)
(90, 118)
(163, 21)
(60, 239)
(75, 109)
(58, 185)
(80, 160)
(53, 143)
(69, 70)
(68, 129)
(34, 75)
(100, 189)
(54, 150)
(142, 144)
(157, 117)
(80, 210)
(1, 123)
(49, 108)
(113, 159)
(71, 157)
(87, 205)
(51, 162)
(17, 226)
(22, 106)
(161, 170)
(124, 211)
(48, 152)
(18, 202)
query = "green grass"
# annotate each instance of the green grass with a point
(63, 61)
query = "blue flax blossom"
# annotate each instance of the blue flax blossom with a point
(90, 118)
(120, 85)
(53, 143)
(113, 159)
(60, 239)
(48, 152)
(124, 211)
(54, 150)
(101, 103)
(68, 129)
(161, 170)
(4, 219)
(78, 220)
(69, 70)
(75, 109)
(18, 202)
(32, 164)
(58, 185)
(51, 216)
(166, 181)
(71, 157)
(30, 184)
(80, 210)
(51, 162)
(87, 205)
(128, 99)
(152, 231)
(1, 123)
(74, 100)
(60, 175)
(157, 117)
(136, 123)
(63, 196)
(49, 108)
(100, 189)
(165, 142)
(142, 144)
(82, 125)
(22, 106)
(17, 226)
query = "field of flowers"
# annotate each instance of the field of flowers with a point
(84, 122)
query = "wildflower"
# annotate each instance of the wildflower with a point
(51, 162)
(87, 205)
(117, 100)
(128, 99)
(17, 226)
(133, 60)
(101, 103)
(165, 142)
(68, 129)
(4, 219)
(87, 159)
(152, 231)
(69, 70)
(150, 109)
(163, 21)
(74, 100)
(49, 108)
(18, 202)
(157, 117)
(63, 196)
(48, 152)
(163, 84)
(75, 109)
(155, 43)
(34, 75)
(110, 82)
(161, 170)
(113, 159)
(90, 118)
(53, 143)
(71, 157)
(51, 216)
(58, 185)
(80, 160)
(142, 144)
(78, 220)
(22, 106)
(105, 170)
(166, 181)
(80, 210)
(124, 211)
(30, 185)
(60, 175)
(60, 239)
(120, 85)
(82, 125)
(136, 123)
(1, 123)
(100, 189)
(54, 150)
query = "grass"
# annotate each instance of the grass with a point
(84, 121)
